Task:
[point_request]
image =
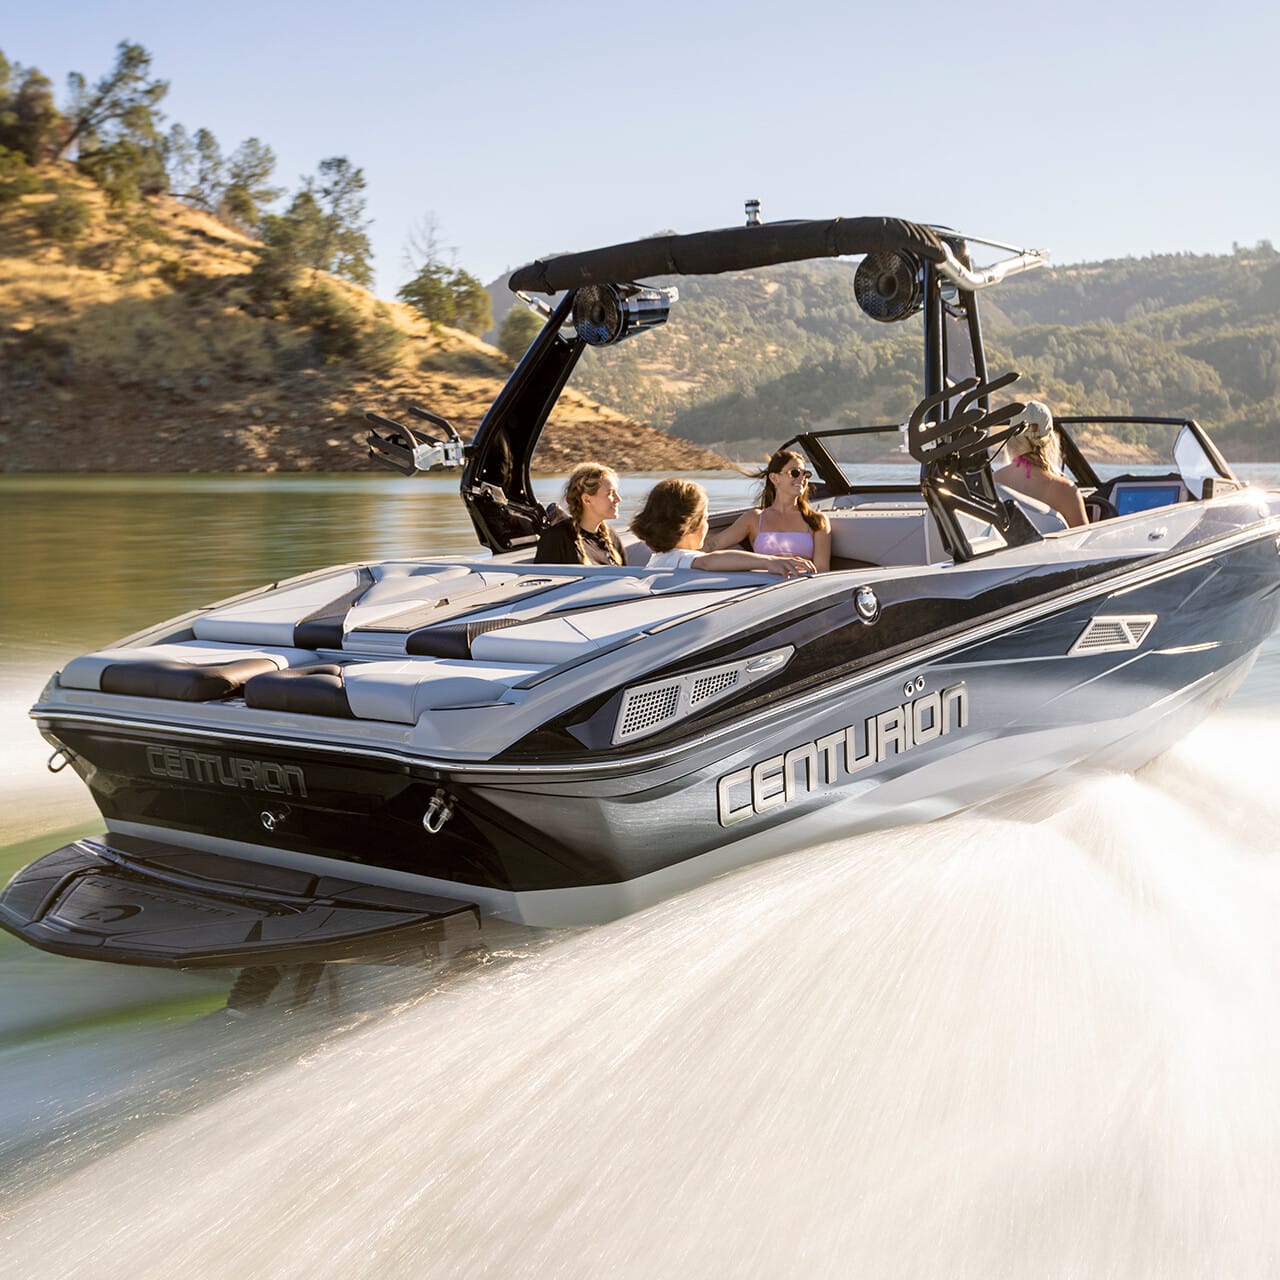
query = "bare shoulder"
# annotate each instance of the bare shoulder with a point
(1058, 484)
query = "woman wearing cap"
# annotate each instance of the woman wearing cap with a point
(782, 523)
(1035, 466)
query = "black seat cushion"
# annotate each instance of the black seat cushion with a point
(183, 681)
(454, 639)
(322, 629)
(308, 691)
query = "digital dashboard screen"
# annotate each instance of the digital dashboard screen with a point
(1134, 495)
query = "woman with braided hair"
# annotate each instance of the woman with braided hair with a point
(1035, 466)
(591, 496)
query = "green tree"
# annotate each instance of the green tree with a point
(449, 295)
(290, 244)
(17, 177)
(321, 230)
(235, 188)
(180, 160)
(126, 100)
(472, 306)
(249, 188)
(128, 167)
(208, 185)
(518, 330)
(194, 167)
(342, 244)
(429, 293)
(29, 121)
(440, 290)
(115, 127)
(64, 221)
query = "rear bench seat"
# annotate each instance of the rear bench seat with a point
(391, 643)
(885, 534)
(188, 670)
(263, 634)
(400, 692)
(889, 534)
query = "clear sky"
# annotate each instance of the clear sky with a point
(1089, 128)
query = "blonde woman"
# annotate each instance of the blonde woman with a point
(782, 523)
(1035, 466)
(592, 498)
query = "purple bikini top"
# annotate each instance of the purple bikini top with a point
(773, 542)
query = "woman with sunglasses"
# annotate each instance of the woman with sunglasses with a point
(782, 523)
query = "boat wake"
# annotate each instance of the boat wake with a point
(1034, 1039)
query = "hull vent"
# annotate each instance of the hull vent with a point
(646, 708)
(1114, 633)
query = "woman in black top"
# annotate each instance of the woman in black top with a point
(591, 495)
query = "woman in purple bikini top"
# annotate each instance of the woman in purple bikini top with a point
(781, 542)
(782, 523)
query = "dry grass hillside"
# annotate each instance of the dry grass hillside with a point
(139, 348)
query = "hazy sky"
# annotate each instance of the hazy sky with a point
(1092, 129)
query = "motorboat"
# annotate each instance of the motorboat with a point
(380, 757)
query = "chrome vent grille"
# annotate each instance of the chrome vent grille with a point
(1114, 633)
(708, 686)
(644, 709)
(647, 708)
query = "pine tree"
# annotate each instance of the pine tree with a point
(248, 188)
(126, 99)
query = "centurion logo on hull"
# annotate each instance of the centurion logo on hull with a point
(185, 765)
(827, 761)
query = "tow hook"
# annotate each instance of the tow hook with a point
(439, 811)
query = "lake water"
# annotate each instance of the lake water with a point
(1035, 1039)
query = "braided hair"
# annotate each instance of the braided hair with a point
(586, 478)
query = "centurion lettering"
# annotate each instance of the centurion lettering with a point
(185, 765)
(827, 760)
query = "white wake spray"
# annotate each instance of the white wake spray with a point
(1035, 1040)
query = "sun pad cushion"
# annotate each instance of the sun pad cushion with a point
(403, 691)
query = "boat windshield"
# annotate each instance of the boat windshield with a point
(1102, 449)
(1168, 459)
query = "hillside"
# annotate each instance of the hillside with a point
(136, 345)
(752, 358)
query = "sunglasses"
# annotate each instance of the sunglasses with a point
(796, 473)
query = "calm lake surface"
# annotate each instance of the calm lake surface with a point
(1035, 1039)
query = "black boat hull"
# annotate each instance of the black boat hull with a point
(962, 718)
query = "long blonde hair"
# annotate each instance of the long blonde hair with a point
(1038, 441)
(586, 478)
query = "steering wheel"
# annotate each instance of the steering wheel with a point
(1097, 508)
